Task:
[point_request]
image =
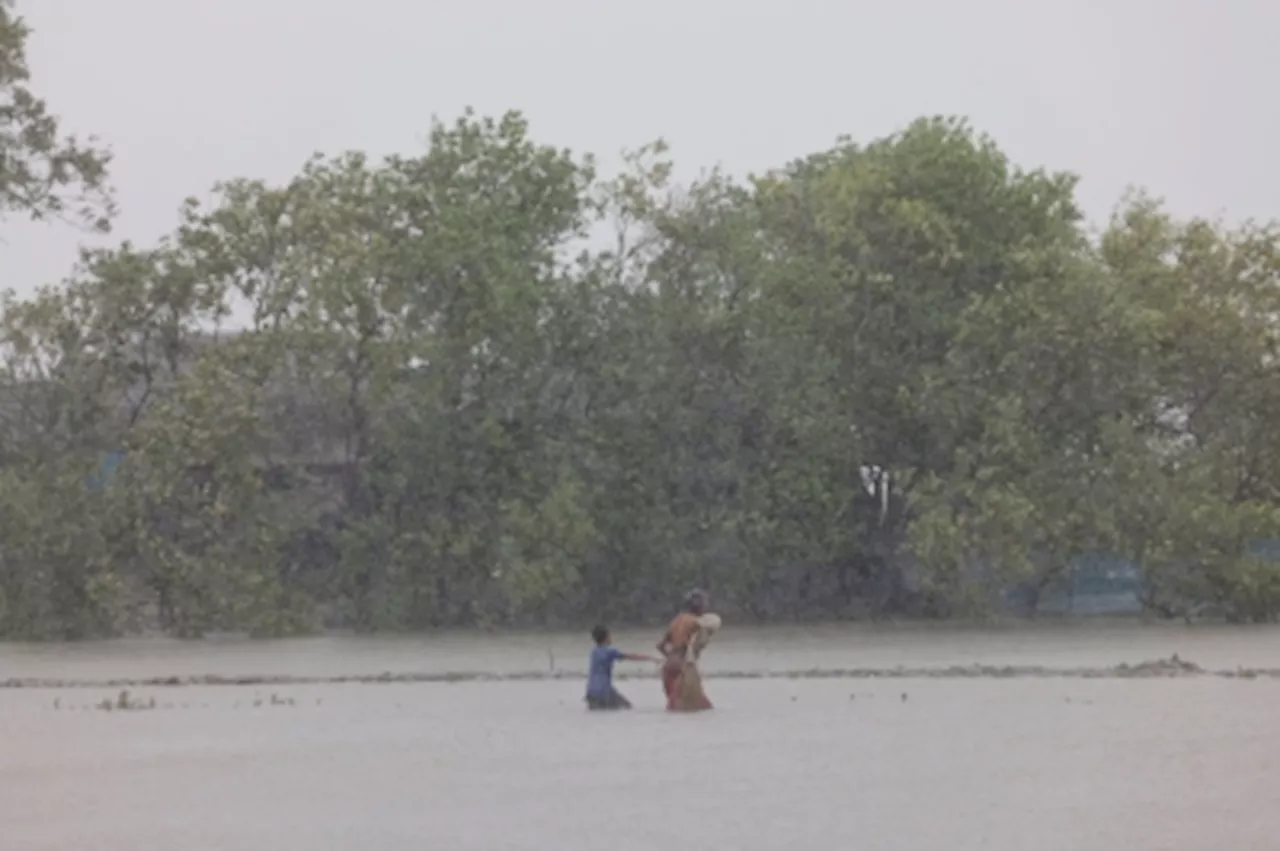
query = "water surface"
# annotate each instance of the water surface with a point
(1079, 644)
(999, 765)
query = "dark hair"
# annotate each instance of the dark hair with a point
(600, 633)
(695, 599)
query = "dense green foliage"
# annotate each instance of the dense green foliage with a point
(419, 392)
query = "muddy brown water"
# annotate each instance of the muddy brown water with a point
(1002, 764)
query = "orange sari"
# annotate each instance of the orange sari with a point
(680, 677)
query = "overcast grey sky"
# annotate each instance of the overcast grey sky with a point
(1178, 96)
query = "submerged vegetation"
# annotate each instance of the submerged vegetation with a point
(485, 385)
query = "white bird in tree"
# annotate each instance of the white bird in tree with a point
(875, 481)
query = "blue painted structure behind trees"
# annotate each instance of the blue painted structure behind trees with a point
(1099, 584)
(106, 469)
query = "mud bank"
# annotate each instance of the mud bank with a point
(1159, 668)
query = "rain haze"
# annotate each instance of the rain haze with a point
(911, 728)
(1173, 95)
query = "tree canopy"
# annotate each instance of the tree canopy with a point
(43, 172)
(483, 384)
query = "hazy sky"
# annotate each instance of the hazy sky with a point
(1178, 96)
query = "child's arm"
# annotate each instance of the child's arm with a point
(639, 657)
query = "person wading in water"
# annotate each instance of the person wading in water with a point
(681, 679)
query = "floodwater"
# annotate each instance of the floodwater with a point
(893, 764)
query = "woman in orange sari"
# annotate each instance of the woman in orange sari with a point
(680, 677)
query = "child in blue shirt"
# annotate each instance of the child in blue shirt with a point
(600, 691)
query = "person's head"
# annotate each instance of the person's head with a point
(696, 601)
(600, 634)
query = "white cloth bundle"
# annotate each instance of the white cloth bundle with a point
(708, 626)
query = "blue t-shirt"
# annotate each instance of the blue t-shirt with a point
(600, 672)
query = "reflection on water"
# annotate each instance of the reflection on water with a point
(998, 765)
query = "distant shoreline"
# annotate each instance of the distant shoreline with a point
(733, 620)
(1173, 667)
